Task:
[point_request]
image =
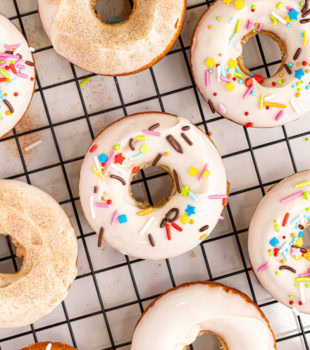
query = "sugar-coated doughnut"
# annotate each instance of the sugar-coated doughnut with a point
(178, 223)
(48, 346)
(175, 319)
(17, 75)
(224, 81)
(79, 35)
(278, 255)
(44, 238)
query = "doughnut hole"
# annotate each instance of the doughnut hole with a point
(274, 50)
(7, 263)
(306, 236)
(208, 341)
(114, 11)
(160, 186)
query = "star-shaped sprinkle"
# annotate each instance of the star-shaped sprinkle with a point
(190, 210)
(119, 159)
(293, 14)
(185, 191)
(296, 252)
(299, 73)
(184, 219)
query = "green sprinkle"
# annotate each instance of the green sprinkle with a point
(302, 4)
(307, 285)
(116, 147)
(252, 7)
(307, 139)
(85, 81)
(306, 195)
(296, 285)
(218, 18)
(279, 5)
(39, 44)
(277, 272)
(307, 209)
(291, 296)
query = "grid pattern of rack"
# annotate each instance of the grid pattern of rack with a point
(284, 147)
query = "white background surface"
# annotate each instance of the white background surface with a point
(108, 281)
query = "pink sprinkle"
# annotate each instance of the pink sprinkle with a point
(227, 80)
(203, 170)
(263, 267)
(305, 274)
(289, 8)
(250, 22)
(259, 27)
(207, 78)
(292, 196)
(249, 90)
(279, 115)
(222, 109)
(8, 55)
(114, 217)
(10, 47)
(151, 132)
(221, 218)
(21, 75)
(109, 160)
(218, 196)
(102, 205)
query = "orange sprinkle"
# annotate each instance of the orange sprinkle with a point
(269, 250)
(220, 54)
(293, 235)
(297, 94)
(282, 261)
(297, 64)
(281, 75)
(307, 71)
(210, 27)
(166, 154)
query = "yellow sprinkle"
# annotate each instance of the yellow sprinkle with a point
(306, 195)
(210, 62)
(302, 279)
(238, 75)
(239, 4)
(203, 237)
(145, 212)
(206, 173)
(302, 184)
(191, 221)
(4, 73)
(238, 26)
(277, 228)
(230, 86)
(274, 104)
(274, 20)
(261, 101)
(85, 81)
(279, 5)
(232, 63)
(141, 137)
(305, 38)
(97, 172)
(193, 171)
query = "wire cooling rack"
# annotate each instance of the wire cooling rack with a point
(112, 290)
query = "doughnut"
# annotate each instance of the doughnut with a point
(78, 34)
(17, 75)
(183, 313)
(178, 222)
(279, 257)
(228, 86)
(44, 238)
(49, 346)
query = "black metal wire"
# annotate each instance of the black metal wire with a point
(82, 235)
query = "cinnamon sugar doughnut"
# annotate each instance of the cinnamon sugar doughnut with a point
(79, 35)
(45, 239)
(48, 346)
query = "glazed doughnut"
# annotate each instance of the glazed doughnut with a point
(227, 85)
(79, 35)
(17, 75)
(176, 224)
(49, 346)
(44, 238)
(175, 319)
(278, 255)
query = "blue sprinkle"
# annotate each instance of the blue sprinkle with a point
(240, 81)
(251, 75)
(122, 219)
(193, 197)
(136, 156)
(103, 158)
(274, 241)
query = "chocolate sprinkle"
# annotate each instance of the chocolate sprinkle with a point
(186, 139)
(204, 228)
(157, 158)
(285, 267)
(174, 143)
(288, 69)
(302, 227)
(100, 236)
(9, 52)
(29, 63)
(186, 127)
(176, 180)
(304, 21)
(153, 127)
(120, 179)
(131, 145)
(151, 239)
(303, 250)
(297, 53)
(210, 103)
(172, 215)
(163, 223)
(305, 14)
(95, 189)
(306, 5)
(8, 104)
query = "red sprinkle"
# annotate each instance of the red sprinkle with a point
(304, 63)
(300, 303)
(225, 202)
(248, 82)
(3, 80)
(168, 232)
(15, 94)
(32, 78)
(215, 94)
(177, 227)
(93, 148)
(246, 113)
(7, 67)
(284, 222)
(234, 79)
(274, 83)
(291, 302)
(248, 125)
(267, 107)
(109, 201)
(283, 237)
(135, 169)
(13, 69)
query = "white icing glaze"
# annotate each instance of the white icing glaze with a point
(127, 237)
(263, 229)
(112, 49)
(10, 35)
(177, 318)
(209, 43)
(44, 237)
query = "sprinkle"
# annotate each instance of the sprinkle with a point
(303, 21)
(172, 215)
(285, 219)
(305, 42)
(248, 125)
(147, 225)
(276, 227)
(279, 18)
(157, 159)
(85, 81)
(176, 180)
(145, 211)
(261, 101)
(185, 137)
(232, 39)
(97, 172)
(168, 232)
(136, 156)
(131, 144)
(109, 160)
(292, 196)
(151, 240)
(141, 137)
(227, 80)
(259, 27)
(302, 184)
(218, 196)
(204, 228)
(249, 25)
(306, 195)
(174, 143)
(186, 128)
(274, 241)
(302, 279)
(203, 237)
(297, 53)
(295, 106)
(192, 196)
(193, 171)
(122, 219)
(219, 73)
(248, 92)
(100, 236)
(238, 26)
(8, 104)
(279, 115)
(163, 223)
(154, 126)
(287, 69)
(177, 227)
(301, 293)
(203, 171)
(210, 103)
(120, 179)
(102, 205)
(118, 169)
(222, 109)
(207, 78)
(95, 189)
(150, 132)
(274, 104)
(114, 217)
(263, 267)
(285, 267)
(305, 274)
(274, 20)
(33, 145)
